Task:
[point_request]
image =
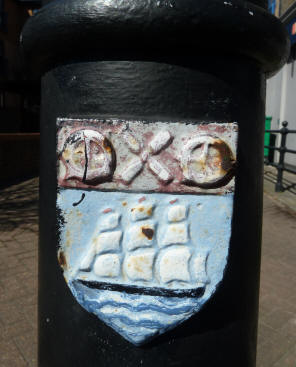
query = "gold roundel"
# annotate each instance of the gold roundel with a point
(88, 156)
(207, 161)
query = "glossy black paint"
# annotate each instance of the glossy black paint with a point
(142, 29)
(132, 60)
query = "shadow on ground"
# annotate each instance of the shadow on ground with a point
(288, 183)
(19, 205)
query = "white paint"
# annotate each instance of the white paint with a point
(136, 144)
(141, 211)
(107, 266)
(159, 141)
(199, 268)
(88, 143)
(175, 234)
(177, 213)
(200, 160)
(139, 266)
(188, 229)
(158, 169)
(135, 236)
(88, 258)
(131, 170)
(280, 105)
(173, 265)
(110, 221)
(108, 241)
(132, 142)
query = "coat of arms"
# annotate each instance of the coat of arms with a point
(146, 211)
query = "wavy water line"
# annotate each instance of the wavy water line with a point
(132, 334)
(137, 318)
(139, 301)
(140, 318)
(131, 331)
(157, 317)
(144, 307)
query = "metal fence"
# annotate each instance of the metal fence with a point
(281, 166)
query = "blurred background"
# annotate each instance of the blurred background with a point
(19, 96)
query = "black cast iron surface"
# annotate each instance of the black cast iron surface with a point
(199, 60)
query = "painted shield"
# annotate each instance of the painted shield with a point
(145, 213)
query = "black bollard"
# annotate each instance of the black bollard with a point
(152, 130)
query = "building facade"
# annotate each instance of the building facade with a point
(19, 96)
(281, 88)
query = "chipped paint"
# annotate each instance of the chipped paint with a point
(152, 157)
(144, 263)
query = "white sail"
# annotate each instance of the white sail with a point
(109, 221)
(141, 211)
(107, 266)
(108, 241)
(139, 266)
(173, 265)
(199, 268)
(139, 235)
(175, 234)
(177, 213)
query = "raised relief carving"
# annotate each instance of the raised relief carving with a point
(104, 240)
(88, 156)
(107, 266)
(159, 142)
(141, 211)
(139, 266)
(173, 265)
(207, 161)
(142, 253)
(156, 156)
(140, 235)
(146, 259)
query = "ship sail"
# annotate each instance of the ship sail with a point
(145, 254)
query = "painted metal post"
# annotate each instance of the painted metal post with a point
(151, 179)
(280, 168)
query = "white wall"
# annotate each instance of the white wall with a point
(281, 104)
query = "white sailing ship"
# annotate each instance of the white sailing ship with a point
(145, 258)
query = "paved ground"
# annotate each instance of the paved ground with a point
(18, 274)
(18, 277)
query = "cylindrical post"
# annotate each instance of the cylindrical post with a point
(280, 167)
(152, 129)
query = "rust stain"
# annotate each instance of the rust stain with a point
(226, 159)
(62, 259)
(148, 232)
(124, 203)
(66, 154)
(219, 162)
(68, 238)
(177, 229)
(107, 145)
(149, 211)
(137, 263)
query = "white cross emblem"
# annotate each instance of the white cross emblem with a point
(146, 155)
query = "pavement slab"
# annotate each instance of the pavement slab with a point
(276, 346)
